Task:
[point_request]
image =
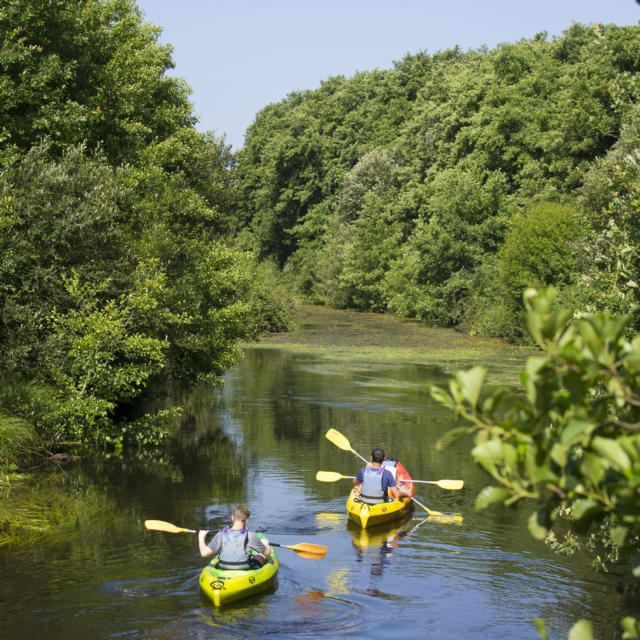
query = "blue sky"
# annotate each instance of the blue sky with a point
(240, 55)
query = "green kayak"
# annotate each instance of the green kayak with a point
(223, 586)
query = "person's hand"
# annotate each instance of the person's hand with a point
(258, 558)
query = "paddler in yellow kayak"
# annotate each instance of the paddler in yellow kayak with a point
(374, 482)
(236, 546)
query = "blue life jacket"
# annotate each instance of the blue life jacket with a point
(371, 491)
(233, 551)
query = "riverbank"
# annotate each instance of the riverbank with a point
(362, 339)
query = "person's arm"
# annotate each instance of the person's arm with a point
(260, 545)
(389, 481)
(393, 492)
(210, 549)
(359, 478)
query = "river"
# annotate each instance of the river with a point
(260, 439)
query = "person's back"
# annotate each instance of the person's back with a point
(375, 481)
(234, 545)
(234, 553)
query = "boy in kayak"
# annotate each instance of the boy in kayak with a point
(236, 546)
(375, 482)
(392, 465)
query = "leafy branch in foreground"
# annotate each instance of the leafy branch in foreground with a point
(574, 442)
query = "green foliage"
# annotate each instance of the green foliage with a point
(18, 441)
(371, 244)
(610, 198)
(272, 305)
(574, 443)
(96, 359)
(116, 266)
(543, 246)
(631, 628)
(82, 70)
(79, 231)
(462, 222)
(482, 143)
(345, 268)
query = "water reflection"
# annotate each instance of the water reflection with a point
(260, 440)
(377, 545)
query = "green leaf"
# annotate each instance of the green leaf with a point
(491, 404)
(636, 567)
(531, 376)
(488, 454)
(618, 535)
(612, 450)
(451, 436)
(471, 382)
(593, 467)
(591, 336)
(544, 475)
(538, 524)
(581, 630)
(559, 454)
(491, 495)
(585, 507)
(630, 627)
(441, 396)
(577, 431)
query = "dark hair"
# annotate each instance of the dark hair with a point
(377, 455)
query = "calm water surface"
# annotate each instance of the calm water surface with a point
(261, 440)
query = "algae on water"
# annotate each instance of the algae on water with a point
(357, 340)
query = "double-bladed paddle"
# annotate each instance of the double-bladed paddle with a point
(302, 549)
(342, 443)
(452, 485)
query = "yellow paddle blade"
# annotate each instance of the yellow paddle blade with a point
(338, 439)
(446, 518)
(161, 525)
(452, 485)
(440, 517)
(308, 550)
(330, 476)
(305, 550)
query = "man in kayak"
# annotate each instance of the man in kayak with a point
(375, 482)
(236, 546)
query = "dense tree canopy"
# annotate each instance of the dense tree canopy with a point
(476, 146)
(118, 264)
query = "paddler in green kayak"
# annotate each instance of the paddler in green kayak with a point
(236, 546)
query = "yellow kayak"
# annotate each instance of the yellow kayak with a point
(376, 537)
(223, 586)
(370, 515)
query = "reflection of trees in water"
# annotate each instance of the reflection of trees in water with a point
(285, 403)
(200, 464)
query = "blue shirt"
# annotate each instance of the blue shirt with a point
(387, 478)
